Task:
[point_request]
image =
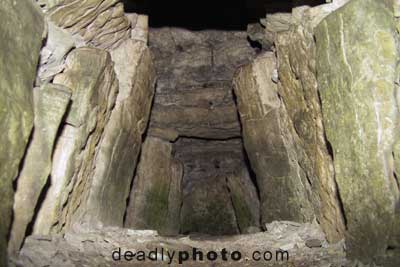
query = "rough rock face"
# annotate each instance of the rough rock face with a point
(297, 114)
(216, 187)
(298, 89)
(104, 200)
(270, 144)
(99, 23)
(206, 113)
(204, 159)
(90, 75)
(47, 4)
(208, 208)
(52, 56)
(156, 196)
(357, 65)
(245, 201)
(50, 104)
(194, 97)
(19, 51)
(194, 107)
(296, 238)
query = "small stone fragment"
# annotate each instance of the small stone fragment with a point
(313, 243)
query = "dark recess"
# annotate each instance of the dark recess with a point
(227, 15)
(194, 15)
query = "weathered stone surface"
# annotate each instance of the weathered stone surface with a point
(140, 27)
(356, 62)
(283, 15)
(205, 112)
(99, 23)
(275, 23)
(298, 89)
(210, 166)
(208, 208)
(50, 104)
(256, 33)
(90, 75)
(245, 201)
(48, 4)
(203, 159)
(20, 44)
(57, 250)
(119, 147)
(194, 97)
(193, 106)
(156, 196)
(395, 235)
(52, 56)
(270, 144)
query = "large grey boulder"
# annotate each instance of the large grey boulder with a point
(21, 30)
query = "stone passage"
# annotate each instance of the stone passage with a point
(249, 125)
(194, 117)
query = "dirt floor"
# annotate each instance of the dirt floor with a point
(282, 244)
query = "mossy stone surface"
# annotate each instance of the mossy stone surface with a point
(208, 209)
(50, 105)
(156, 196)
(90, 75)
(357, 55)
(120, 145)
(21, 30)
(270, 144)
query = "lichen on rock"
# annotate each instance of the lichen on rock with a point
(20, 44)
(357, 68)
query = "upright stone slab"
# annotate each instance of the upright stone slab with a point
(156, 196)
(21, 30)
(357, 55)
(90, 75)
(245, 201)
(208, 208)
(120, 145)
(270, 144)
(50, 104)
(298, 89)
